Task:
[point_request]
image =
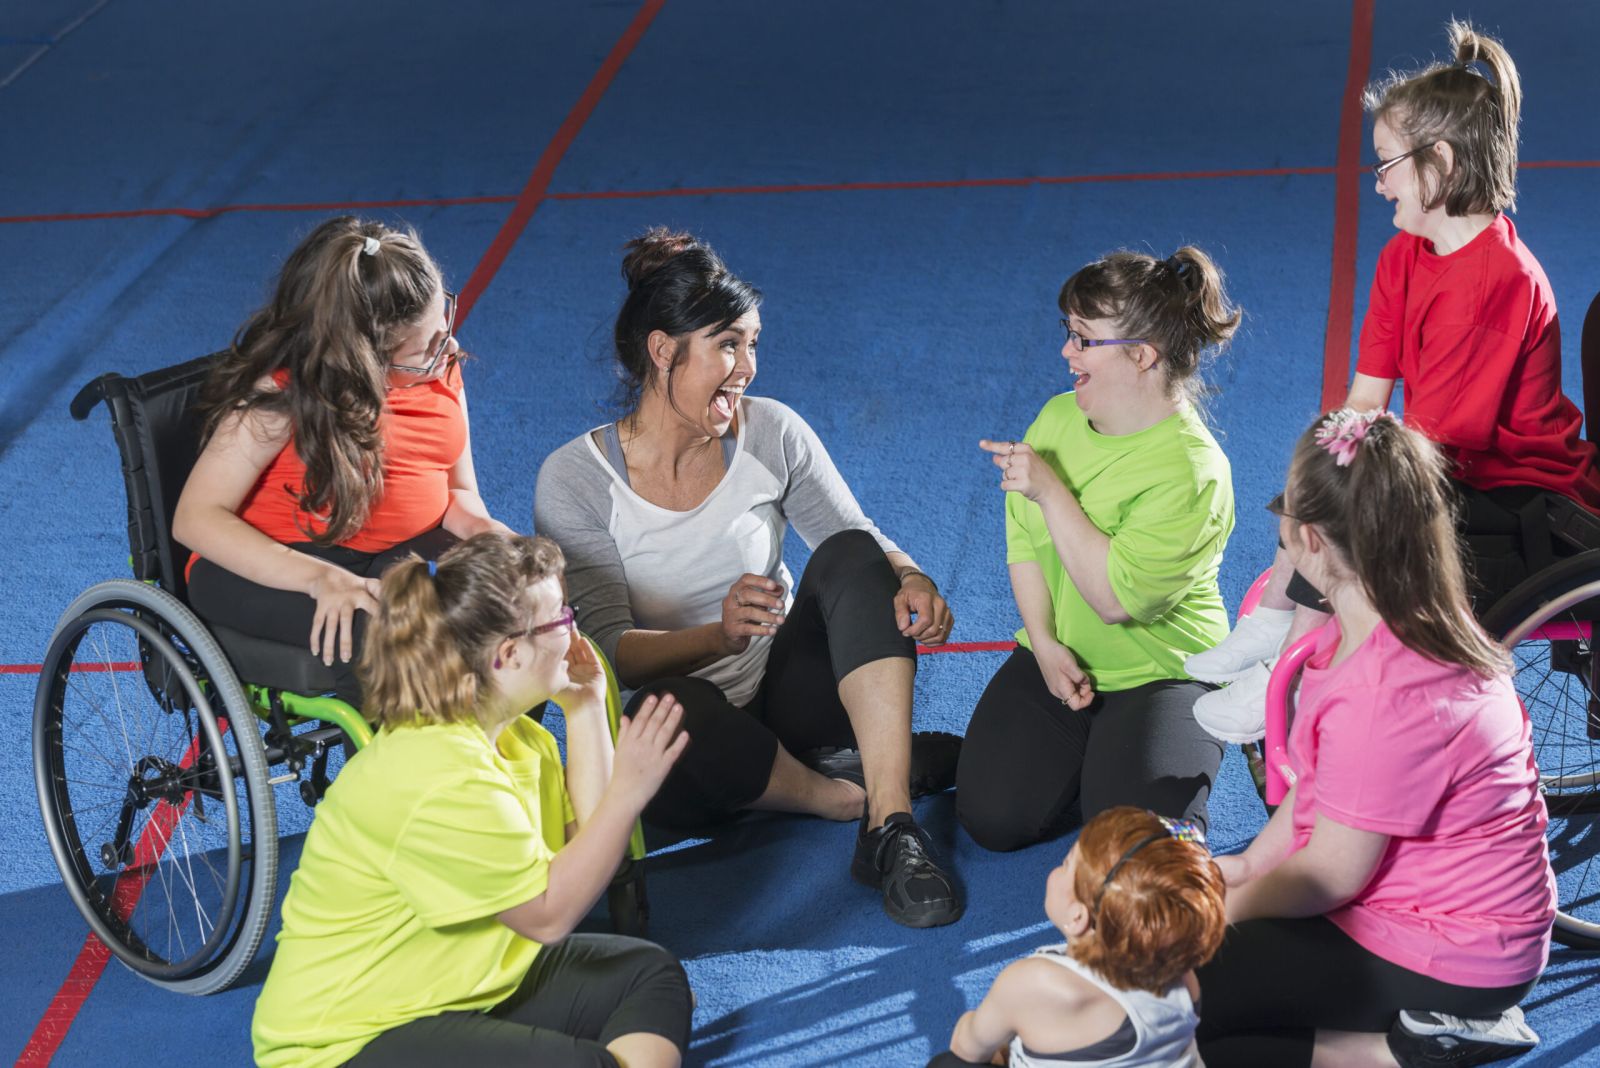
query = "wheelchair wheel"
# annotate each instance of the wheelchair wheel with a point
(1546, 623)
(153, 784)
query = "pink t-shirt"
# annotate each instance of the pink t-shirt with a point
(1440, 760)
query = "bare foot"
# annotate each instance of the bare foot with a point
(845, 800)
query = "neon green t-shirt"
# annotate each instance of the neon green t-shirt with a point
(1164, 496)
(424, 837)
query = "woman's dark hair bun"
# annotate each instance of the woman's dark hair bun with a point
(653, 250)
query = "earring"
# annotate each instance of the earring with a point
(497, 663)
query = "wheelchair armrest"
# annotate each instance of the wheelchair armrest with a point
(1284, 676)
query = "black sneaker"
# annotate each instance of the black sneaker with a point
(1423, 1039)
(933, 763)
(896, 860)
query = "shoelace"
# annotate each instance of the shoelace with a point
(917, 844)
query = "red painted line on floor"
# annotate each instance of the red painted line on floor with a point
(229, 209)
(939, 183)
(91, 961)
(1348, 176)
(741, 190)
(968, 647)
(533, 194)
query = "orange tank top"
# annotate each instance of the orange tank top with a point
(424, 431)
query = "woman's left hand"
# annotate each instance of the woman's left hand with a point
(919, 597)
(1022, 470)
(586, 678)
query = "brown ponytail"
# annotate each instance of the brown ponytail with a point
(425, 657)
(328, 327)
(1178, 303)
(1477, 116)
(1390, 513)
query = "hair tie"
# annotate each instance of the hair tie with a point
(433, 568)
(1343, 431)
(1176, 265)
(370, 248)
(1182, 830)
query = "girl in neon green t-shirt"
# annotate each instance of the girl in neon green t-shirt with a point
(431, 918)
(1118, 505)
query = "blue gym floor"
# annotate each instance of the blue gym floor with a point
(909, 183)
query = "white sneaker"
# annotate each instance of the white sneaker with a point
(1430, 1038)
(1258, 637)
(1237, 713)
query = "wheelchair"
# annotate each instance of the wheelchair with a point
(158, 740)
(1547, 623)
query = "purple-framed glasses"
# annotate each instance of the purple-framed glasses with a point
(565, 620)
(438, 353)
(1079, 342)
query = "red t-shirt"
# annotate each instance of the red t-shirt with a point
(1474, 336)
(424, 430)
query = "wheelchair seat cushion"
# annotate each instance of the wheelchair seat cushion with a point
(261, 662)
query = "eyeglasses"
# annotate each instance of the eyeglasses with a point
(444, 343)
(1079, 342)
(1380, 168)
(1279, 507)
(562, 622)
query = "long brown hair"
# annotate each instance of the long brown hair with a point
(328, 327)
(1389, 512)
(1178, 303)
(1476, 116)
(425, 657)
(1161, 916)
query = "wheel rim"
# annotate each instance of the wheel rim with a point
(1553, 647)
(146, 826)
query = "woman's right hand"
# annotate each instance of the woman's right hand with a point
(1066, 679)
(648, 744)
(339, 594)
(753, 607)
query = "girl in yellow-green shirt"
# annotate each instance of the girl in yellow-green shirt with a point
(430, 920)
(1118, 505)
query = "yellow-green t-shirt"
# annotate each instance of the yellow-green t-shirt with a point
(1164, 496)
(423, 838)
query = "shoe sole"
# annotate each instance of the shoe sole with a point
(1236, 737)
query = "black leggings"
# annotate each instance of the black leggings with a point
(580, 994)
(219, 596)
(1032, 769)
(1275, 982)
(842, 618)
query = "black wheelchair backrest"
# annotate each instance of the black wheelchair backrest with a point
(157, 429)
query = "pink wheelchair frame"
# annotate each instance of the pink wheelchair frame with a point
(1279, 775)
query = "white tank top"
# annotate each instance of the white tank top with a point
(1163, 1026)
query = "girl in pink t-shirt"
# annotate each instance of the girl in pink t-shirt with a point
(1406, 870)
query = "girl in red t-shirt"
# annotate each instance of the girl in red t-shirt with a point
(1464, 315)
(335, 441)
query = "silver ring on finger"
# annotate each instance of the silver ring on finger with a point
(1011, 447)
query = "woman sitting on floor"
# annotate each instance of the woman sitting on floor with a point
(1407, 868)
(674, 518)
(1118, 505)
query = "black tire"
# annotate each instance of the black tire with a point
(153, 785)
(1553, 679)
